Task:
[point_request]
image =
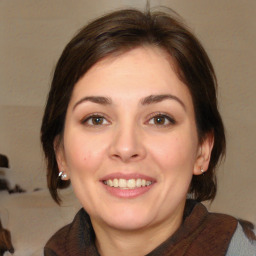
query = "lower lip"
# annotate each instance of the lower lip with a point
(127, 193)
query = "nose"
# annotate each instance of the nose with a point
(127, 144)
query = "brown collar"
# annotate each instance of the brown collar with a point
(202, 233)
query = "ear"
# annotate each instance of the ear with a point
(204, 155)
(60, 157)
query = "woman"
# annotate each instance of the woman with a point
(132, 121)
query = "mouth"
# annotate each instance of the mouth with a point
(127, 183)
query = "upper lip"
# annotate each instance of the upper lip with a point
(127, 176)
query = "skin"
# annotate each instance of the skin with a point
(132, 136)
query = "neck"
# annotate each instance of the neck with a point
(116, 242)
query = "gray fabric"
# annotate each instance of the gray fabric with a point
(240, 244)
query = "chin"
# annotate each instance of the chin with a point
(128, 224)
(128, 219)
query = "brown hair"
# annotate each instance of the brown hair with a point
(116, 33)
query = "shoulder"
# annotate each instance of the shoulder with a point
(49, 252)
(240, 244)
(61, 242)
(243, 237)
(236, 236)
(59, 237)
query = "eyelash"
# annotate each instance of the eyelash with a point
(170, 120)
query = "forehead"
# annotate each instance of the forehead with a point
(138, 72)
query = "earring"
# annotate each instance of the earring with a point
(63, 175)
(202, 171)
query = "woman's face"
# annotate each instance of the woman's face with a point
(130, 144)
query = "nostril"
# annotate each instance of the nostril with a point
(116, 156)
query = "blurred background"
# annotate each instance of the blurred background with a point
(33, 34)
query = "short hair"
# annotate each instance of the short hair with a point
(116, 33)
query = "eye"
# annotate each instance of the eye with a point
(161, 120)
(95, 120)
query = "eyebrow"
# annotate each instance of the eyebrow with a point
(158, 98)
(151, 99)
(95, 99)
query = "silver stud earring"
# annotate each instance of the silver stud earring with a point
(202, 170)
(63, 175)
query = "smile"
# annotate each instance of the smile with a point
(127, 184)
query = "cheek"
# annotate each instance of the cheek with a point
(83, 154)
(176, 150)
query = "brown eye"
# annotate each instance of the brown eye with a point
(95, 121)
(161, 120)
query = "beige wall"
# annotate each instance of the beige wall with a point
(33, 34)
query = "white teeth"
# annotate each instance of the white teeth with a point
(148, 183)
(131, 183)
(115, 183)
(110, 183)
(138, 183)
(128, 184)
(122, 183)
